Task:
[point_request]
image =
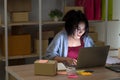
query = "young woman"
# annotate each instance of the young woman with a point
(67, 43)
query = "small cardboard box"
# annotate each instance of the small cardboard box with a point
(94, 36)
(47, 34)
(0, 20)
(68, 8)
(45, 67)
(19, 5)
(119, 53)
(92, 29)
(20, 16)
(18, 45)
(44, 46)
(99, 43)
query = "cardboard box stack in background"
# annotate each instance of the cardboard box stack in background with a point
(94, 35)
(0, 20)
(19, 10)
(45, 41)
(17, 45)
(99, 43)
(119, 53)
(68, 8)
(19, 5)
(20, 16)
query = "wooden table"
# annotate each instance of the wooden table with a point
(26, 72)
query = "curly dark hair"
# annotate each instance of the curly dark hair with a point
(72, 18)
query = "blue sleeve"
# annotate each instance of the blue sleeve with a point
(88, 42)
(53, 48)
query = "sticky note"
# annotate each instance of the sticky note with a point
(43, 61)
(72, 76)
(86, 73)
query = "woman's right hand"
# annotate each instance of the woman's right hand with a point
(71, 61)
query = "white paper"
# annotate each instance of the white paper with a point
(112, 60)
(61, 66)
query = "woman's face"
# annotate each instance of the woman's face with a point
(80, 30)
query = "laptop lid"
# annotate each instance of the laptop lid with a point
(92, 56)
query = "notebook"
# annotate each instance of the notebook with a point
(92, 57)
(115, 68)
(61, 67)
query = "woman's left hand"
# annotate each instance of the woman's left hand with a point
(74, 62)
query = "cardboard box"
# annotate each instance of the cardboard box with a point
(119, 53)
(47, 34)
(18, 45)
(99, 43)
(92, 29)
(19, 5)
(45, 67)
(44, 46)
(0, 21)
(20, 16)
(68, 8)
(94, 36)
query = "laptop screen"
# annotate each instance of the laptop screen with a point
(92, 56)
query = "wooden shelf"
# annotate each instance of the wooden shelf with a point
(23, 23)
(2, 26)
(36, 23)
(113, 49)
(52, 22)
(95, 21)
(48, 23)
(2, 58)
(114, 20)
(102, 20)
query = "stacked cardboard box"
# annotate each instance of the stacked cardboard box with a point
(45, 37)
(16, 5)
(119, 53)
(0, 20)
(17, 45)
(20, 16)
(19, 10)
(94, 35)
(68, 8)
(99, 43)
(92, 29)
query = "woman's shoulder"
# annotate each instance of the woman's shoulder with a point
(62, 33)
(87, 38)
(88, 41)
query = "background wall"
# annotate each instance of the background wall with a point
(113, 28)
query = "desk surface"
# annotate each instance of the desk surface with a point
(26, 72)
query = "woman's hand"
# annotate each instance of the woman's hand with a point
(67, 60)
(71, 61)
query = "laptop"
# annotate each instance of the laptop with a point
(92, 57)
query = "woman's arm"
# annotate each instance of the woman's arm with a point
(57, 47)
